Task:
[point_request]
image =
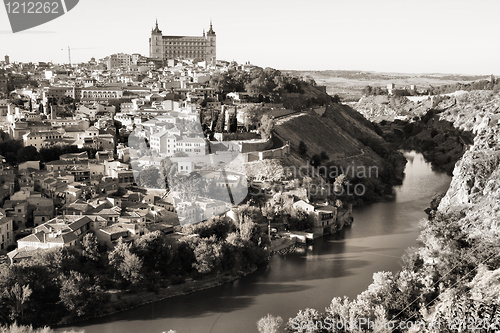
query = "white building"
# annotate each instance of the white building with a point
(92, 110)
(42, 139)
(168, 144)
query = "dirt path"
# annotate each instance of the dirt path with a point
(283, 120)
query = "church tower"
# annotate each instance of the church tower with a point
(156, 48)
(211, 49)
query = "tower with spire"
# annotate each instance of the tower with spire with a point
(201, 48)
(211, 55)
(156, 47)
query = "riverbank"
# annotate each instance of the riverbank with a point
(126, 300)
(334, 266)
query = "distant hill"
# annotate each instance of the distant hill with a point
(349, 84)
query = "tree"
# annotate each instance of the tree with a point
(208, 254)
(154, 251)
(151, 178)
(324, 156)
(249, 230)
(130, 268)
(28, 153)
(315, 160)
(269, 324)
(78, 295)
(90, 247)
(125, 262)
(15, 328)
(251, 118)
(302, 149)
(300, 220)
(266, 127)
(367, 91)
(308, 316)
(17, 298)
(221, 120)
(340, 182)
(233, 123)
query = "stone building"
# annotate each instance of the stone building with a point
(201, 48)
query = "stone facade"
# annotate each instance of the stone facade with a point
(202, 48)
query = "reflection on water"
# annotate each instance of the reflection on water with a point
(337, 265)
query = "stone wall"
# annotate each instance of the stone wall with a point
(255, 145)
(275, 153)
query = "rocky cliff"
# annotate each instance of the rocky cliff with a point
(451, 283)
(475, 187)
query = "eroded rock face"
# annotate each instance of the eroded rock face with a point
(475, 187)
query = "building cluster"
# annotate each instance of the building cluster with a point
(95, 106)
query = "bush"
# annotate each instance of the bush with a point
(302, 149)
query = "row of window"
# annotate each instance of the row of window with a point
(187, 43)
(47, 137)
(99, 95)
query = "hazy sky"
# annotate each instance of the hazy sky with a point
(446, 36)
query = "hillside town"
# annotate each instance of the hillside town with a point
(132, 174)
(108, 147)
(147, 185)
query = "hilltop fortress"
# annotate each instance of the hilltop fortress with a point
(185, 47)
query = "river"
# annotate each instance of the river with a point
(336, 265)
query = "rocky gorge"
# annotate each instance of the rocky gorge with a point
(451, 282)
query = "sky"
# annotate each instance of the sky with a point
(424, 36)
